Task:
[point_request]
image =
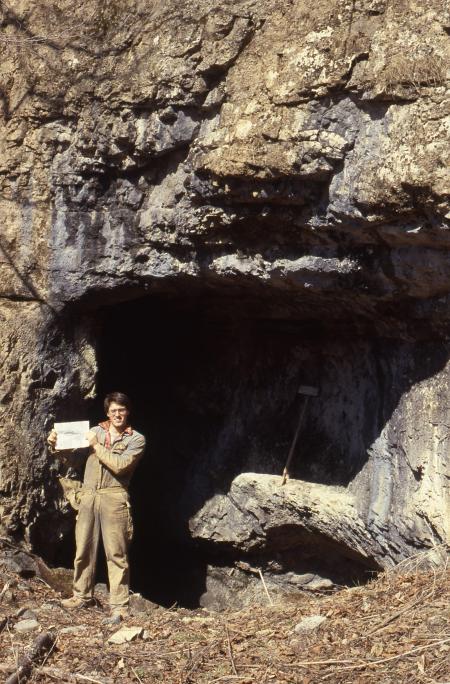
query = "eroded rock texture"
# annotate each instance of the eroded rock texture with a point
(272, 182)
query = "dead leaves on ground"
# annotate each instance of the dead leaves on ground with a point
(395, 629)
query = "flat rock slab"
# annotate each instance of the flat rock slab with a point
(257, 511)
(74, 629)
(308, 624)
(125, 635)
(26, 626)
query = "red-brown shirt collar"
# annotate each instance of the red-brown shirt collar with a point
(107, 424)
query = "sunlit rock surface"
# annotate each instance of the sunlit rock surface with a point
(280, 166)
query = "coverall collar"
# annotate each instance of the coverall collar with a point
(107, 424)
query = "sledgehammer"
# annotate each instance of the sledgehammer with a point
(307, 391)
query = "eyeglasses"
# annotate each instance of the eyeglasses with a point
(124, 410)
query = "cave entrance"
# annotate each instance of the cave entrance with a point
(214, 389)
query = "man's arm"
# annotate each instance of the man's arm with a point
(118, 463)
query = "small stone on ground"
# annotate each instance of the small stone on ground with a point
(112, 620)
(26, 625)
(75, 629)
(309, 623)
(126, 634)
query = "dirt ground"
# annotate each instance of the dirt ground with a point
(394, 630)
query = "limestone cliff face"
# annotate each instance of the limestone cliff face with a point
(278, 165)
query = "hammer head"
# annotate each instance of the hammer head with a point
(308, 390)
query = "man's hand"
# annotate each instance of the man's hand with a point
(51, 440)
(92, 438)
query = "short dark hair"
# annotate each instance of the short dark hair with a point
(117, 398)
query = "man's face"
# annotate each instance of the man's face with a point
(118, 415)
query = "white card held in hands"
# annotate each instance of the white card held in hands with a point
(72, 435)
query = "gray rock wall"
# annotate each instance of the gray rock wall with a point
(280, 166)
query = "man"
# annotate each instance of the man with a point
(115, 449)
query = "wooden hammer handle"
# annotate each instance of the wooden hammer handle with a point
(294, 442)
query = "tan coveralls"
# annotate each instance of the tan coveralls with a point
(105, 508)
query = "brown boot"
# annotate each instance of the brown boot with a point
(76, 602)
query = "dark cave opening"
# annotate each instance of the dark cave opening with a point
(214, 389)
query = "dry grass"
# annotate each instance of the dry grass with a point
(396, 629)
(414, 72)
